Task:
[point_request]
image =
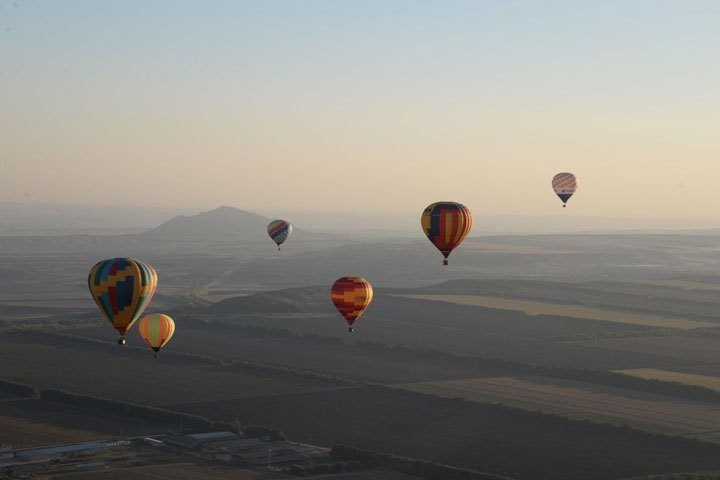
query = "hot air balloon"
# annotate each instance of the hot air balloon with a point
(351, 296)
(122, 288)
(279, 231)
(446, 224)
(564, 184)
(156, 329)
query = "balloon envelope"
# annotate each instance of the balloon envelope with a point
(564, 185)
(351, 296)
(122, 288)
(156, 329)
(279, 231)
(446, 224)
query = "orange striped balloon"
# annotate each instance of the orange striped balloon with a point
(351, 296)
(156, 329)
(446, 224)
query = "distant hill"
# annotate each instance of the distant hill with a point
(229, 225)
(224, 231)
(222, 222)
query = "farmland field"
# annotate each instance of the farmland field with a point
(520, 444)
(670, 376)
(179, 471)
(327, 355)
(695, 354)
(576, 311)
(582, 400)
(191, 471)
(29, 422)
(425, 324)
(624, 294)
(132, 374)
(681, 284)
(481, 333)
(22, 433)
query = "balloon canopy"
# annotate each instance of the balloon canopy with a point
(351, 296)
(279, 231)
(564, 185)
(156, 329)
(122, 288)
(446, 224)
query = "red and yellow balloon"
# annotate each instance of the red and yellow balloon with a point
(351, 296)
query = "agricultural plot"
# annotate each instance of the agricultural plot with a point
(175, 471)
(328, 355)
(531, 307)
(22, 433)
(694, 354)
(442, 326)
(191, 471)
(470, 331)
(621, 293)
(670, 376)
(582, 400)
(32, 422)
(520, 444)
(371, 475)
(132, 374)
(681, 284)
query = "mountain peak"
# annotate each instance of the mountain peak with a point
(226, 209)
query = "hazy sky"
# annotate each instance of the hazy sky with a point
(285, 106)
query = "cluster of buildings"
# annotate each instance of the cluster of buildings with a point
(230, 448)
(225, 447)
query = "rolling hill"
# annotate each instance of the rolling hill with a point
(223, 221)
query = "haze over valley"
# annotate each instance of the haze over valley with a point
(612, 329)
